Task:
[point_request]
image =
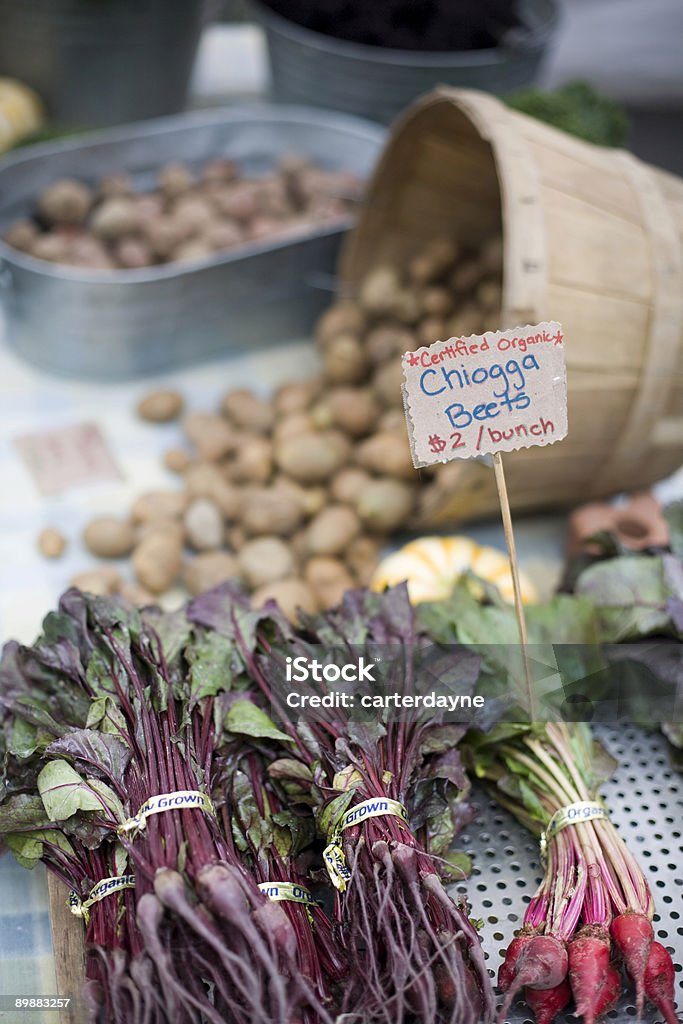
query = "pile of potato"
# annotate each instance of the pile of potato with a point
(187, 217)
(297, 494)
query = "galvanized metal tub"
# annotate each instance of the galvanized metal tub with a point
(114, 325)
(105, 62)
(374, 82)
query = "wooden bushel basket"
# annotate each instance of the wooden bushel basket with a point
(592, 238)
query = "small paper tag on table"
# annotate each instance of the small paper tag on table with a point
(68, 457)
(488, 393)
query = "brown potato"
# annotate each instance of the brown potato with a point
(203, 524)
(292, 595)
(52, 247)
(103, 581)
(191, 250)
(193, 215)
(88, 251)
(114, 219)
(154, 505)
(265, 560)
(436, 301)
(115, 185)
(109, 537)
(489, 296)
(468, 320)
(163, 235)
(433, 261)
(362, 558)
(388, 453)
(211, 435)
(65, 202)
(431, 329)
(208, 569)
(385, 505)
(329, 579)
(253, 462)
(271, 510)
(223, 235)
(380, 291)
(344, 318)
(220, 169)
(247, 410)
(133, 253)
(293, 424)
(491, 255)
(387, 341)
(156, 561)
(21, 235)
(353, 410)
(176, 460)
(206, 480)
(160, 406)
(467, 276)
(310, 458)
(174, 179)
(136, 595)
(295, 397)
(348, 485)
(51, 542)
(386, 382)
(309, 499)
(345, 360)
(238, 202)
(332, 530)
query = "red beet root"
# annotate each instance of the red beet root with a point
(542, 964)
(588, 969)
(547, 1003)
(633, 935)
(609, 992)
(508, 968)
(659, 982)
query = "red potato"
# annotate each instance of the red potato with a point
(547, 1003)
(589, 965)
(659, 982)
(633, 936)
(542, 963)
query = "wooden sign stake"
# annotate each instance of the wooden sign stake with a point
(514, 569)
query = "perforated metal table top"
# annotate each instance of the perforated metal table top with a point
(646, 800)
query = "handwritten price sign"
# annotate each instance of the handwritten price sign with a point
(484, 394)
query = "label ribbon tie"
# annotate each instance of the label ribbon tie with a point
(181, 800)
(333, 854)
(289, 892)
(105, 887)
(573, 814)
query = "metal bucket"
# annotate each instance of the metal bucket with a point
(102, 62)
(114, 325)
(374, 82)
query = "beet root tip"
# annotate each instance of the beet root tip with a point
(659, 982)
(633, 935)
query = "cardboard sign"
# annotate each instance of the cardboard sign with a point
(488, 393)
